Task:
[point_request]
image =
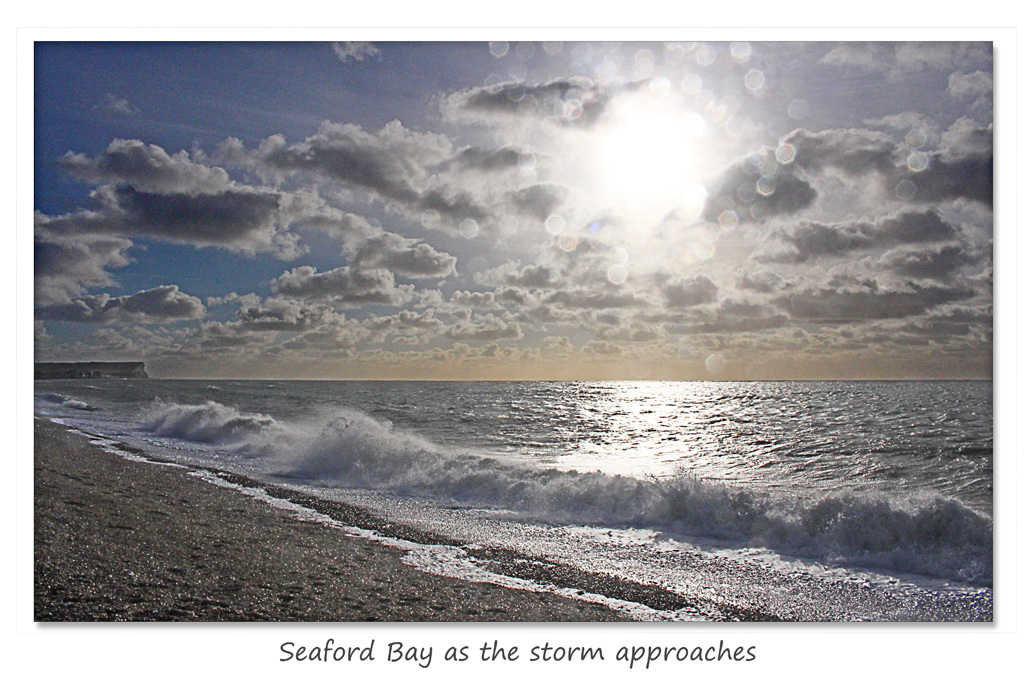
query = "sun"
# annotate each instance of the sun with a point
(648, 156)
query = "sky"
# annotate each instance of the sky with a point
(516, 210)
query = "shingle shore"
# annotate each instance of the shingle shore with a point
(120, 540)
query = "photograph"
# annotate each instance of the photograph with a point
(524, 331)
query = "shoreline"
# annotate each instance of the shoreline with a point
(124, 540)
(123, 535)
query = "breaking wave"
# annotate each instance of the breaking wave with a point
(67, 402)
(211, 423)
(930, 535)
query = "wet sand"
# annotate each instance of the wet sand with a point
(123, 540)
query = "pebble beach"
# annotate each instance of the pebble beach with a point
(118, 540)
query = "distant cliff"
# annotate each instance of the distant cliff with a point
(93, 369)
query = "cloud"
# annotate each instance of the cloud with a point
(759, 280)
(579, 99)
(160, 304)
(145, 167)
(486, 328)
(481, 160)
(216, 338)
(396, 165)
(539, 200)
(861, 55)
(868, 301)
(453, 203)
(966, 139)
(284, 315)
(685, 293)
(391, 163)
(940, 263)
(240, 219)
(409, 324)
(118, 106)
(898, 61)
(512, 275)
(807, 241)
(731, 316)
(595, 299)
(66, 266)
(576, 101)
(757, 188)
(490, 300)
(355, 50)
(343, 286)
(335, 339)
(915, 57)
(601, 348)
(962, 168)
(476, 300)
(145, 192)
(970, 86)
(405, 256)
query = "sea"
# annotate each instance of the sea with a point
(685, 501)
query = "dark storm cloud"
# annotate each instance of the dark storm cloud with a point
(962, 168)
(960, 321)
(741, 190)
(160, 304)
(65, 266)
(539, 200)
(227, 217)
(940, 262)
(806, 241)
(868, 302)
(575, 101)
(240, 219)
(344, 286)
(688, 292)
(854, 151)
(453, 203)
(478, 159)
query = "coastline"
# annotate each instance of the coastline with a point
(123, 540)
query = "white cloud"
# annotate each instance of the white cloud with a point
(355, 50)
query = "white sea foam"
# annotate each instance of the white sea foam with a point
(347, 448)
(211, 423)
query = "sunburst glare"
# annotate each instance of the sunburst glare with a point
(650, 154)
